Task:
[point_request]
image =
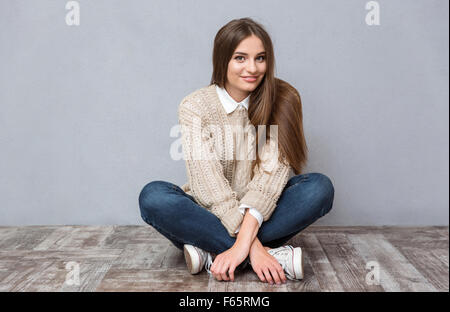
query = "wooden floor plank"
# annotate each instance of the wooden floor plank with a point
(346, 261)
(426, 238)
(442, 255)
(247, 280)
(24, 238)
(138, 258)
(142, 256)
(76, 237)
(320, 264)
(396, 272)
(139, 280)
(309, 283)
(46, 270)
(244, 280)
(173, 258)
(434, 270)
(91, 275)
(219, 286)
(443, 231)
(58, 255)
(123, 236)
(26, 274)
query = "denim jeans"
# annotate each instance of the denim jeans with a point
(176, 215)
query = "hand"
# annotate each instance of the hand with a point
(266, 266)
(227, 261)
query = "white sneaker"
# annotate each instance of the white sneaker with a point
(291, 260)
(196, 259)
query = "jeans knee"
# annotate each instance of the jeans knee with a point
(149, 197)
(325, 188)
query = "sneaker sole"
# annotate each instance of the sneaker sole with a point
(298, 269)
(192, 259)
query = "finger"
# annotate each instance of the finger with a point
(281, 274)
(231, 272)
(280, 271)
(260, 275)
(275, 276)
(213, 267)
(222, 270)
(267, 275)
(217, 276)
(214, 270)
(224, 276)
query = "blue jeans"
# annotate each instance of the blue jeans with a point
(177, 216)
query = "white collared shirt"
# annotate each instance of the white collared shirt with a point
(229, 104)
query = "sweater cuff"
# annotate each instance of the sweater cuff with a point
(260, 202)
(255, 213)
(231, 220)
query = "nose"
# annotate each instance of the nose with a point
(251, 67)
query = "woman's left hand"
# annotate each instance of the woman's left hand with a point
(227, 261)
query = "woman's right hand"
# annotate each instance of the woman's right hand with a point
(266, 266)
(225, 263)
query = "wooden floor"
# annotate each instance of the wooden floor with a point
(137, 258)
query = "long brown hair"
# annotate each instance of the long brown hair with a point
(273, 102)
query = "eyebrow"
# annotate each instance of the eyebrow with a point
(247, 54)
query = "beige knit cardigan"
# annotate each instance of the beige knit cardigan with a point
(210, 180)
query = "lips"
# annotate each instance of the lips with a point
(250, 78)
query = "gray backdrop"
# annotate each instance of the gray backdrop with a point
(86, 111)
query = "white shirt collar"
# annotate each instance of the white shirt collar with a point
(229, 104)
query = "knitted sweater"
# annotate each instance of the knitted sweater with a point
(220, 179)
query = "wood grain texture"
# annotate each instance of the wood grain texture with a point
(138, 258)
(433, 269)
(320, 264)
(348, 264)
(396, 272)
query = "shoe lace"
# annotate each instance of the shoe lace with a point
(282, 254)
(208, 262)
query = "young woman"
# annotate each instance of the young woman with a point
(237, 210)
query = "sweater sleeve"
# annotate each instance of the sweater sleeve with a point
(207, 181)
(268, 182)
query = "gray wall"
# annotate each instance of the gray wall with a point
(86, 110)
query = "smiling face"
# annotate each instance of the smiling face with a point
(246, 68)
